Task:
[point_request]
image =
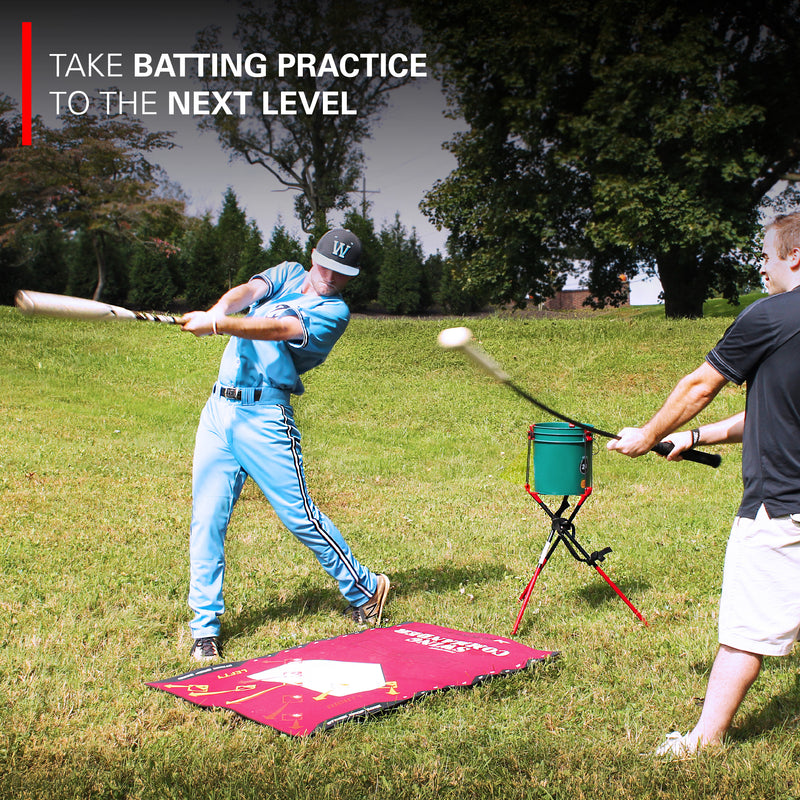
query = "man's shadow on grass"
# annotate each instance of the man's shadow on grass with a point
(782, 711)
(435, 580)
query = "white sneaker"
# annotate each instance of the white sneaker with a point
(676, 744)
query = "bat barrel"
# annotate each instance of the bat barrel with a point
(59, 305)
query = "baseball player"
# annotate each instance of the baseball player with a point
(247, 426)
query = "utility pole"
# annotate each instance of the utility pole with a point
(364, 192)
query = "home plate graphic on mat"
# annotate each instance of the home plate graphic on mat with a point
(315, 686)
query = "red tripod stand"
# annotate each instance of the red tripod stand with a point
(563, 530)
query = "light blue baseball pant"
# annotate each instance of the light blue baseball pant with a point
(234, 440)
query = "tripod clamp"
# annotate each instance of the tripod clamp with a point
(564, 529)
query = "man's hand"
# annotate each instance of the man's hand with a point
(682, 441)
(200, 323)
(632, 442)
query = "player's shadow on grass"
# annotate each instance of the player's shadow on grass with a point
(446, 578)
(306, 602)
(781, 711)
(323, 599)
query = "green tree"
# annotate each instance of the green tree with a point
(239, 242)
(90, 175)
(38, 260)
(632, 134)
(363, 290)
(316, 155)
(152, 280)
(400, 278)
(453, 293)
(14, 274)
(155, 272)
(283, 247)
(33, 259)
(509, 204)
(203, 277)
(432, 276)
(82, 255)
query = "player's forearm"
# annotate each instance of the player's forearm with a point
(726, 431)
(261, 328)
(237, 299)
(691, 395)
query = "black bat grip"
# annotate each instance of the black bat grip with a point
(709, 459)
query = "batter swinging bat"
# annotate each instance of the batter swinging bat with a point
(461, 339)
(60, 305)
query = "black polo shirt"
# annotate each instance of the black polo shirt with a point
(762, 348)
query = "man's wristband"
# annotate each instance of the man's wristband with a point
(695, 438)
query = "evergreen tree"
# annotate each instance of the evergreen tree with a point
(432, 275)
(152, 279)
(156, 265)
(239, 241)
(253, 256)
(283, 247)
(363, 290)
(38, 261)
(203, 276)
(400, 278)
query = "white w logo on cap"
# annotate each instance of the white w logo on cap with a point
(340, 249)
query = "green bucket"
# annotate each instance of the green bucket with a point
(562, 458)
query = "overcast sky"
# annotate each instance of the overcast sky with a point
(404, 157)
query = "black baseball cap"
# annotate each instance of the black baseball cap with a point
(339, 250)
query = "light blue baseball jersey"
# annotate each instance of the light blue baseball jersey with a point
(237, 438)
(258, 364)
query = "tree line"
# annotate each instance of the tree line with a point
(609, 137)
(84, 213)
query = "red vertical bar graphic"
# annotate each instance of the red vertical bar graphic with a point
(27, 136)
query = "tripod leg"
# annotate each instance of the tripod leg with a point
(573, 545)
(547, 551)
(581, 500)
(525, 597)
(621, 595)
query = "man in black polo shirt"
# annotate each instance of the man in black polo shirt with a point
(760, 603)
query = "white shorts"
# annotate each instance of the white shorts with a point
(759, 609)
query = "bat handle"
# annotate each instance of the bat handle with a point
(698, 456)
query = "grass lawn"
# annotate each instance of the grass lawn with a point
(420, 460)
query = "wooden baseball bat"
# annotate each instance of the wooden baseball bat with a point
(61, 305)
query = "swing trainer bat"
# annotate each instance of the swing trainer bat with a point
(461, 339)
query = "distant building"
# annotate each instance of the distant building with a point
(572, 299)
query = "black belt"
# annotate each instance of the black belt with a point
(230, 393)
